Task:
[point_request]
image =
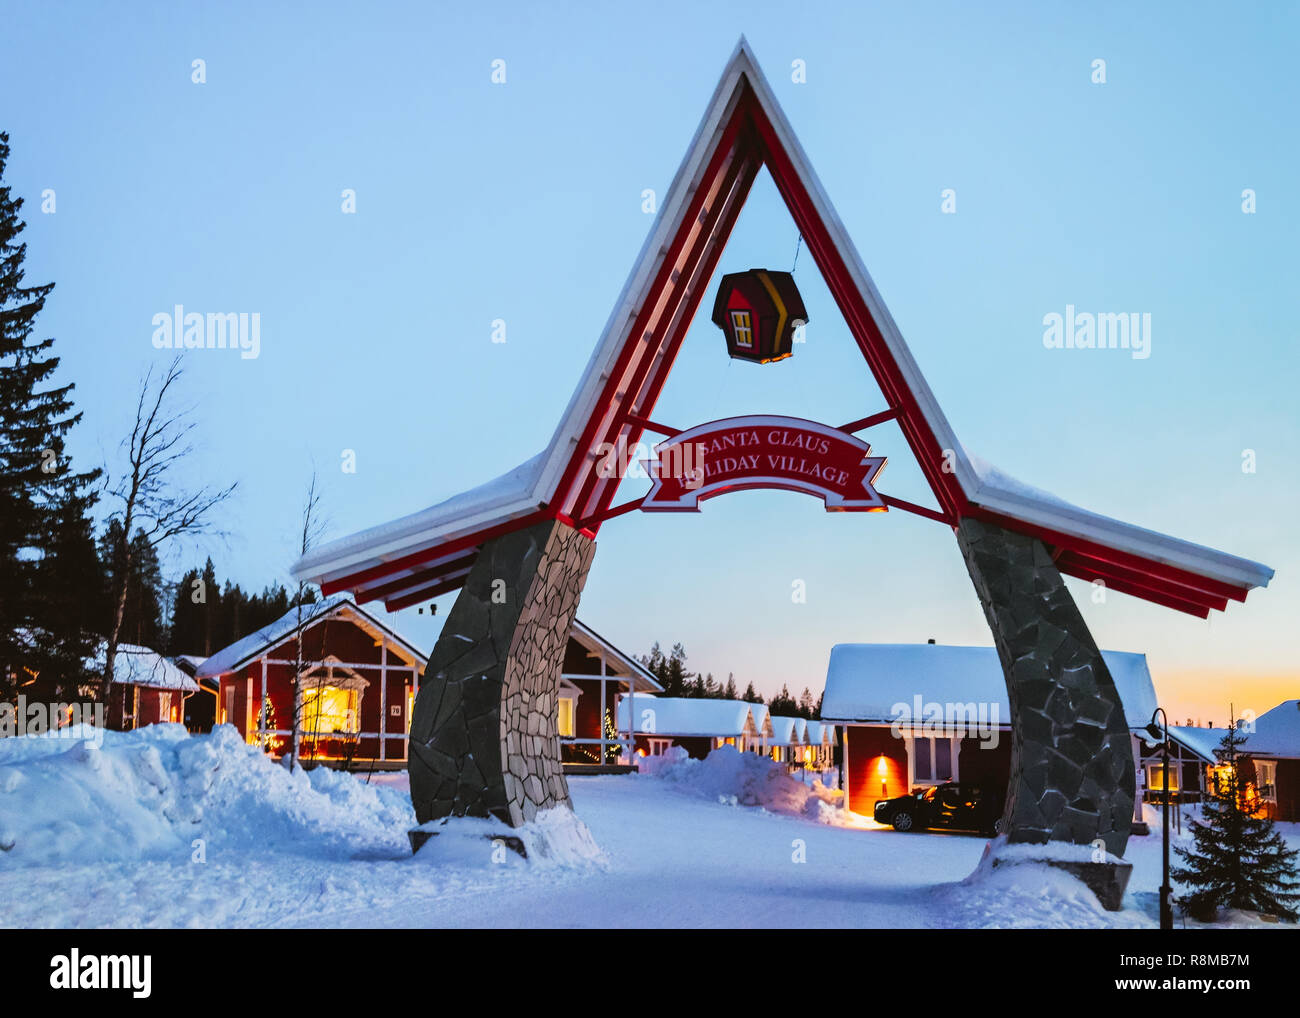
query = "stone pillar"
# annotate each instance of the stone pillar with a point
(483, 739)
(1072, 772)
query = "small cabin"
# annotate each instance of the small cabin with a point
(788, 740)
(147, 688)
(918, 715)
(359, 683)
(698, 726)
(360, 680)
(819, 750)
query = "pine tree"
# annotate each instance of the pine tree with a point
(186, 622)
(656, 664)
(1238, 860)
(806, 704)
(783, 704)
(72, 601)
(729, 691)
(43, 501)
(142, 622)
(676, 681)
(751, 694)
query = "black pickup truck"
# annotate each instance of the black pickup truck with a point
(952, 806)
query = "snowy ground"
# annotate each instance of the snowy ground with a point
(104, 837)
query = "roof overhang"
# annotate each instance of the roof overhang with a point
(743, 130)
(347, 609)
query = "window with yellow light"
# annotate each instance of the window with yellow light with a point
(564, 722)
(329, 709)
(1156, 778)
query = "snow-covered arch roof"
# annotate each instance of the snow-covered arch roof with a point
(743, 130)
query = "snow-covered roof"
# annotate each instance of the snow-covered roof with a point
(1277, 733)
(785, 731)
(992, 488)
(680, 715)
(1201, 741)
(507, 497)
(865, 680)
(233, 657)
(134, 665)
(816, 732)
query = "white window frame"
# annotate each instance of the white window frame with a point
(954, 750)
(1269, 767)
(1154, 775)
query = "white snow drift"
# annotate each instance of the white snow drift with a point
(158, 793)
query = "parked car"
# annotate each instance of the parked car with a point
(950, 806)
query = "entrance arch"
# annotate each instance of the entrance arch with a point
(483, 736)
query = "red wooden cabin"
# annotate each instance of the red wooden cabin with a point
(359, 685)
(147, 688)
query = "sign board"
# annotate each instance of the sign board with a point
(763, 452)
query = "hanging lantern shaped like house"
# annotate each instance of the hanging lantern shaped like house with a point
(759, 311)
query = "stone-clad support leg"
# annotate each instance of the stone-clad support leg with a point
(483, 739)
(1072, 771)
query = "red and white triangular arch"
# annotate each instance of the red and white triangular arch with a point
(428, 553)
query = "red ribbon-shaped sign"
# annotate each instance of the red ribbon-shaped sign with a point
(763, 452)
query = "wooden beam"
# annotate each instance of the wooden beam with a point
(863, 423)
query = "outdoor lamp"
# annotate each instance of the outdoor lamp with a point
(1162, 734)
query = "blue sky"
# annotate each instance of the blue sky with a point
(522, 201)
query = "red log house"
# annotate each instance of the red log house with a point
(361, 677)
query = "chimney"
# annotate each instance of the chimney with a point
(930, 641)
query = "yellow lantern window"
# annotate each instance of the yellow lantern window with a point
(740, 322)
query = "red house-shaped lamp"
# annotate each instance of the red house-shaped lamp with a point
(758, 311)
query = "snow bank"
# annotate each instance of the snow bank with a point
(554, 838)
(155, 792)
(1015, 894)
(747, 779)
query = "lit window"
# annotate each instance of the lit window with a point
(329, 709)
(564, 721)
(1266, 779)
(1156, 777)
(740, 322)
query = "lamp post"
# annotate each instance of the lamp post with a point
(1162, 733)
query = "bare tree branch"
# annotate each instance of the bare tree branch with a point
(152, 502)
